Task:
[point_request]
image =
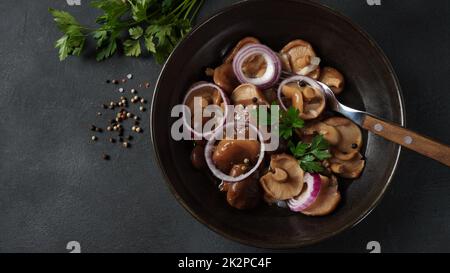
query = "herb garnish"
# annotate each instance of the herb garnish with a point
(157, 24)
(289, 122)
(309, 155)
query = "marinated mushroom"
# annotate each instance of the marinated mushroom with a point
(198, 157)
(309, 101)
(243, 42)
(247, 94)
(224, 77)
(285, 180)
(327, 200)
(229, 152)
(333, 78)
(208, 96)
(329, 132)
(244, 194)
(351, 137)
(351, 168)
(299, 57)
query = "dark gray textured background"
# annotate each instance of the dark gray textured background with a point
(54, 187)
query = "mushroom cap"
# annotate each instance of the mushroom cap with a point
(225, 78)
(208, 94)
(327, 200)
(309, 101)
(285, 180)
(299, 54)
(329, 133)
(243, 42)
(351, 168)
(350, 134)
(333, 78)
(229, 152)
(244, 194)
(245, 93)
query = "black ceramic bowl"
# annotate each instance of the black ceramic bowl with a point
(371, 85)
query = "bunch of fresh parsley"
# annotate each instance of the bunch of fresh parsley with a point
(157, 25)
(309, 155)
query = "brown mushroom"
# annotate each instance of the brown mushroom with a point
(244, 194)
(230, 152)
(333, 78)
(309, 101)
(248, 94)
(285, 180)
(351, 137)
(327, 200)
(208, 96)
(225, 78)
(351, 168)
(243, 42)
(298, 55)
(198, 157)
(329, 132)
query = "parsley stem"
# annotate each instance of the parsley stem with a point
(189, 9)
(196, 10)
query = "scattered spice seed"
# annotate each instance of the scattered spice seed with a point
(93, 127)
(104, 106)
(142, 108)
(138, 129)
(133, 91)
(115, 81)
(112, 140)
(124, 80)
(129, 115)
(94, 138)
(121, 90)
(129, 76)
(105, 156)
(98, 130)
(108, 128)
(136, 117)
(126, 144)
(147, 85)
(143, 100)
(108, 81)
(133, 128)
(99, 113)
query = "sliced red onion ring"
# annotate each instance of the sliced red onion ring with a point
(298, 78)
(315, 61)
(209, 150)
(307, 197)
(198, 86)
(273, 69)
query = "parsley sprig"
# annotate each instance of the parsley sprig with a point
(290, 121)
(309, 155)
(156, 25)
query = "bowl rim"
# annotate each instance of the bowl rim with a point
(257, 243)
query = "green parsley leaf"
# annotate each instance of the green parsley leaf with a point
(310, 155)
(135, 32)
(132, 48)
(289, 121)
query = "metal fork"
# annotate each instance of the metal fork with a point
(388, 130)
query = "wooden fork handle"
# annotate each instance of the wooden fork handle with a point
(409, 139)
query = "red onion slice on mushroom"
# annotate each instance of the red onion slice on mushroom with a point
(298, 78)
(307, 197)
(209, 150)
(222, 121)
(273, 69)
